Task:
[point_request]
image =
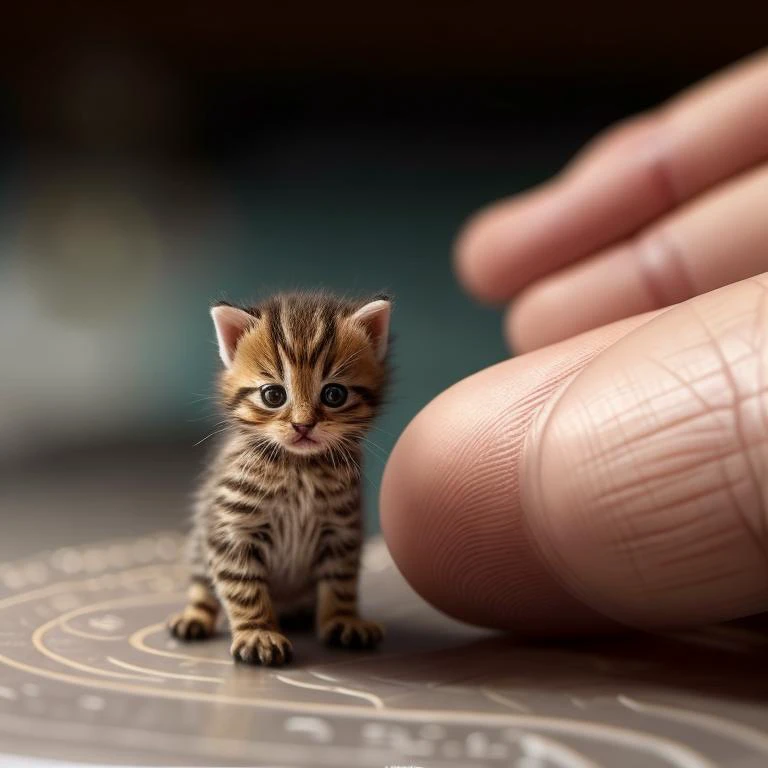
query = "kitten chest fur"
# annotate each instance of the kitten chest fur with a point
(298, 506)
(296, 535)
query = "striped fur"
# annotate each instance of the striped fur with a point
(277, 526)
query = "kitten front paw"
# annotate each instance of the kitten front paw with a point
(351, 632)
(262, 646)
(191, 626)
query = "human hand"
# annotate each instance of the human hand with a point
(618, 476)
(663, 207)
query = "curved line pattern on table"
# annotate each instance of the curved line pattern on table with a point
(524, 728)
(672, 752)
(743, 734)
(169, 675)
(138, 641)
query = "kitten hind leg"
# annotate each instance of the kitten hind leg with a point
(198, 619)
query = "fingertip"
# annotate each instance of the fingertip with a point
(422, 482)
(510, 244)
(473, 257)
(450, 506)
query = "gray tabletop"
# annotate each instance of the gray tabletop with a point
(88, 673)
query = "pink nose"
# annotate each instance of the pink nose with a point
(303, 429)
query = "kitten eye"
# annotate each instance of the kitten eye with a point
(273, 395)
(333, 395)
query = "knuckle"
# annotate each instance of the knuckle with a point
(662, 263)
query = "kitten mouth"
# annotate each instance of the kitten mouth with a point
(305, 442)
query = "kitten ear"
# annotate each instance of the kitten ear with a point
(230, 323)
(374, 316)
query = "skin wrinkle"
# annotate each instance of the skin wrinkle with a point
(758, 332)
(660, 540)
(472, 537)
(619, 525)
(711, 548)
(655, 510)
(536, 442)
(629, 491)
(484, 533)
(685, 525)
(757, 535)
(621, 448)
(663, 537)
(530, 470)
(480, 531)
(668, 474)
(620, 418)
(642, 529)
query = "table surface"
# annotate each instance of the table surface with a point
(89, 674)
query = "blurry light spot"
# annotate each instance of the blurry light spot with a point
(166, 548)
(92, 703)
(68, 560)
(143, 551)
(12, 578)
(452, 749)
(36, 572)
(94, 561)
(118, 556)
(318, 730)
(432, 731)
(108, 623)
(374, 731)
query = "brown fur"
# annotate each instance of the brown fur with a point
(278, 524)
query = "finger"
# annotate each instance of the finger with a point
(454, 522)
(625, 180)
(720, 238)
(603, 479)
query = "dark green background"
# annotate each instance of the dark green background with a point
(362, 189)
(142, 197)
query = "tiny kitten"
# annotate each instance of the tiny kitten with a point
(278, 526)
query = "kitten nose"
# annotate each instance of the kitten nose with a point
(303, 429)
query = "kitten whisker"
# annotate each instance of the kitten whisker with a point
(383, 431)
(210, 435)
(201, 398)
(372, 444)
(356, 464)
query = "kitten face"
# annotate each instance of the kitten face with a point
(304, 372)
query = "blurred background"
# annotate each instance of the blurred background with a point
(156, 157)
